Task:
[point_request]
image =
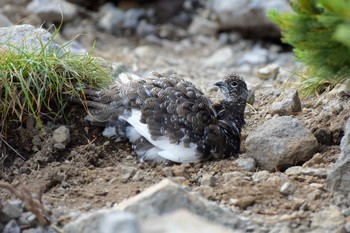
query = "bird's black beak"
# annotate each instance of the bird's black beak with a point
(220, 83)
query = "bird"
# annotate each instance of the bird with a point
(167, 118)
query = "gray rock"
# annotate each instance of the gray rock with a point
(306, 171)
(11, 227)
(280, 143)
(223, 57)
(328, 219)
(145, 29)
(104, 221)
(248, 16)
(268, 72)
(339, 177)
(181, 221)
(111, 19)
(208, 180)
(167, 172)
(287, 188)
(11, 209)
(61, 137)
(167, 196)
(125, 173)
(256, 56)
(287, 103)
(28, 38)
(132, 17)
(347, 227)
(4, 21)
(52, 10)
(203, 26)
(247, 164)
(28, 218)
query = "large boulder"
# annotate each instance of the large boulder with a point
(280, 143)
(248, 16)
(339, 177)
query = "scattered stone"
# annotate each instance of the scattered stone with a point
(125, 173)
(145, 29)
(228, 176)
(260, 176)
(181, 221)
(139, 175)
(248, 16)
(12, 227)
(314, 195)
(203, 26)
(167, 171)
(268, 72)
(28, 38)
(104, 221)
(257, 56)
(11, 209)
(247, 164)
(287, 188)
(328, 219)
(223, 57)
(315, 160)
(112, 19)
(306, 171)
(28, 218)
(280, 143)
(180, 170)
(288, 103)
(167, 196)
(208, 180)
(339, 177)
(61, 137)
(132, 17)
(52, 10)
(243, 202)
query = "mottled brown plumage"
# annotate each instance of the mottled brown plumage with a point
(172, 118)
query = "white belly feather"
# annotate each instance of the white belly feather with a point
(174, 152)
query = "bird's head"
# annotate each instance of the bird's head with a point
(233, 88)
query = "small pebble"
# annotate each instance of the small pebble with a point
(287, 188)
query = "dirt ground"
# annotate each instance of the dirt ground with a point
(90, 173)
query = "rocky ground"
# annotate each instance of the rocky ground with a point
(76, 170)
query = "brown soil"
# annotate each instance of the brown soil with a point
(87, 174)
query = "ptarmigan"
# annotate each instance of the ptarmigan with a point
(168, 118)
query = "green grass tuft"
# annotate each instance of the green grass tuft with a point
(42, 82)
(319, 31)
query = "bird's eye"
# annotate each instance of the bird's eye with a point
(234, 84)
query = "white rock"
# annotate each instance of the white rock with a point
(223, 57)
(268, 72)
(281, 142)
(27, 37)
(247, 164)
(182, 221)
(167, 196)
(61, 137)
(104, 221)
(287, 188)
